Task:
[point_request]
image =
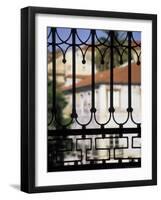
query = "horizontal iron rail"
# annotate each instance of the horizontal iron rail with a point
(85, 132)
(97, 166)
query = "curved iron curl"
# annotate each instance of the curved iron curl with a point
(55, 121)
(63, 41)
(137, 44)
(105, 51)
(99, 45)
(60, 48)
(132, 119)
(63, 125)
(78, 46)
(63, 53)
(60, 43)
(124, 50)
(83, 42)
(83, 53)
(49, 34)
(129, 116)
(121, 44)
(87, 49)
(133, 48)
(86, 124)
(99, 50)
(102, 54)
(51, 120)
(102, 43)
(69, 46)
(138, 55)
(118, 51)
(102, 124)
(123, 123)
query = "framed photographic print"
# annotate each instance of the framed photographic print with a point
(88, 99)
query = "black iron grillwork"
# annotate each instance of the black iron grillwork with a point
(85, 143)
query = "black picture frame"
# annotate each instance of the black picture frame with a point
(28, 98)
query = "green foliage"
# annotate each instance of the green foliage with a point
(103, 64)
(61, 103)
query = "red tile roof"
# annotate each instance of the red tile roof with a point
(79, 76)
(120, 77)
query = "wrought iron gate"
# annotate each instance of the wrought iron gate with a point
(64, 141)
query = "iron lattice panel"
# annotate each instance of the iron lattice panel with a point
(85, 158)
(63, 141)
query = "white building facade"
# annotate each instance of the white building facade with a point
(102, 104)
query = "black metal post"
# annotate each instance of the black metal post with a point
(129, 72)
(74, 72)
(54, 68)
(93, 70)
(111, 109)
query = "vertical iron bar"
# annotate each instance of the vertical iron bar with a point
(54, 68)
(129, 71)
(73, 71)
(111, 70)
(93, 69)
(111, 109)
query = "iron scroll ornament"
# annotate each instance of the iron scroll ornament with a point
(66, 141)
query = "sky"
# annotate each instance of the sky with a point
(83, 34)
